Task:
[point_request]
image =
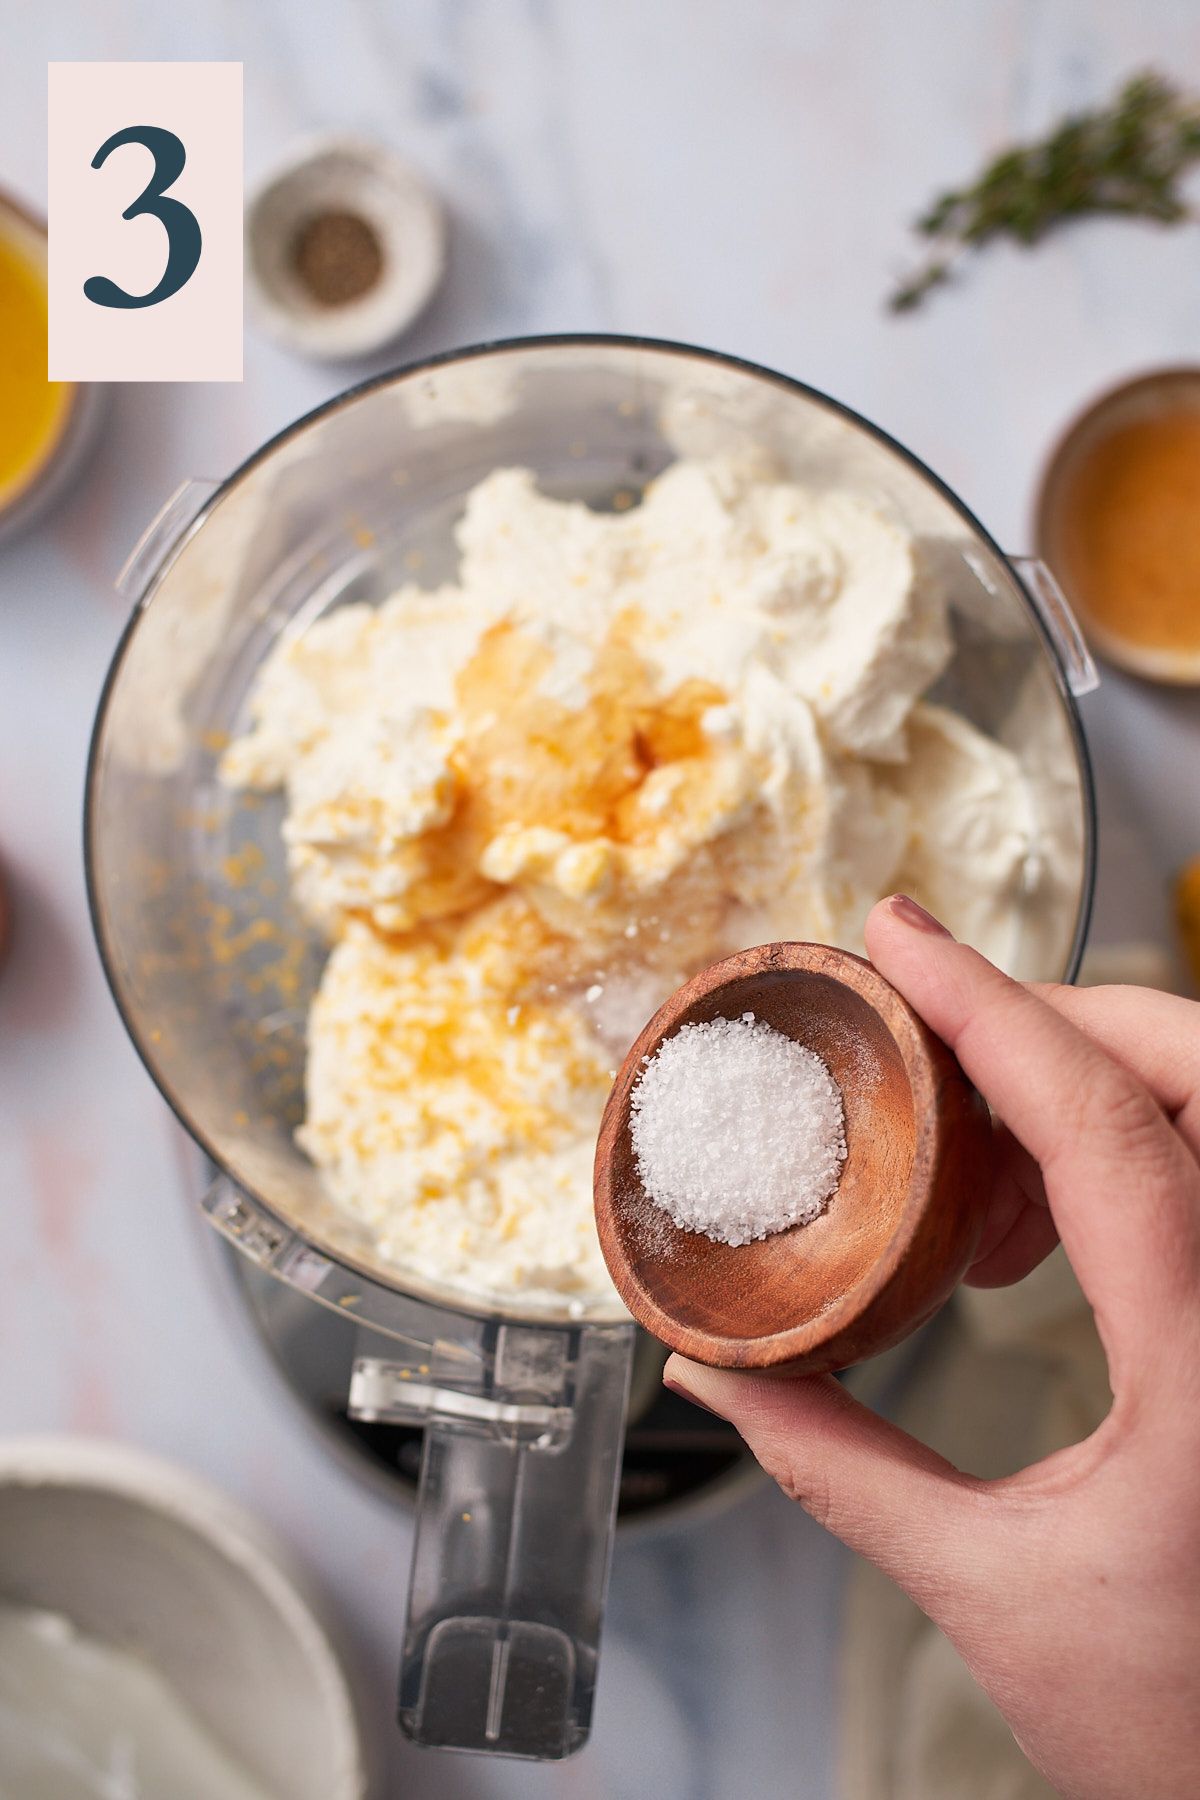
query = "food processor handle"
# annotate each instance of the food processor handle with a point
(1062, 627)
(523, 1434)
(514, 1531)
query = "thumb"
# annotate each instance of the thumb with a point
(892, 1499)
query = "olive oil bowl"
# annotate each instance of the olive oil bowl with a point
(46, 426)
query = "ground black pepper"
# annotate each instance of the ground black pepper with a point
(337, 256)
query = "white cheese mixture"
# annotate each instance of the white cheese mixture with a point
(85, 1720)
(525, 806)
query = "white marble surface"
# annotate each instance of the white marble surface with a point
(735, 175)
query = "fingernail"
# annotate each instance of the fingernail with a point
(909, 913)
(677, 1387)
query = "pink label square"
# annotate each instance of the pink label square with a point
(156, 296)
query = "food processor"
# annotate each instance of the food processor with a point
(522, 1401)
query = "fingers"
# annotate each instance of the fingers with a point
(1028, 1241)
(884, 1494)
(1019, 1231)
(1155, 1036)
(1016, 1183)
(1123, 1191)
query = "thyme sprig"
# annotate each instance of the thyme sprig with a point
(1127, 157)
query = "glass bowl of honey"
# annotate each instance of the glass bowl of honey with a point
(1118, 521)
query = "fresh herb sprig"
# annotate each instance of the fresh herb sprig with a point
(1128, 157)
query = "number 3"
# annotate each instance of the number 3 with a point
(180, 224)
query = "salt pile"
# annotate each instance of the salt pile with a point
(738, 1131)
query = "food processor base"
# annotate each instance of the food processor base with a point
(677, 1460)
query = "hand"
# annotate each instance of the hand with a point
(1071, 1590)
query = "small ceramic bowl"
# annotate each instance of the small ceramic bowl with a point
(368, 181)
(1145, 396)
(140, 1554)
(45, 479)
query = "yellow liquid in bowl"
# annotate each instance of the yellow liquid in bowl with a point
(32, 409)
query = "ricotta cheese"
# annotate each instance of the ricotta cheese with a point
(524, 806)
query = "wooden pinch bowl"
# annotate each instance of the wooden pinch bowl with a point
(897, 1236)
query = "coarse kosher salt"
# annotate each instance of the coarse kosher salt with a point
(738, 1131)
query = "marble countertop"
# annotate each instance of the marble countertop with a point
(737, 176)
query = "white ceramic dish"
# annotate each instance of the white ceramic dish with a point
(355, 175)
(139, 1553)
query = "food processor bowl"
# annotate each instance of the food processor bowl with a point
(212, 966)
